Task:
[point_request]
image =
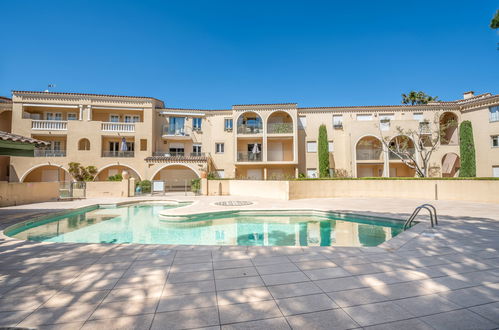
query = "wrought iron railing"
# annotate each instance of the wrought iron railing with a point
(127, 154)
(49, 153)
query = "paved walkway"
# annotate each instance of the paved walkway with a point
(447, 278)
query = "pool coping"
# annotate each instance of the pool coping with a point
(392, 244)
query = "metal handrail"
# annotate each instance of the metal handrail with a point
(431, 210)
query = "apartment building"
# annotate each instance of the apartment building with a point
(253, 141)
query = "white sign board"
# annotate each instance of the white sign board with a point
(158, 186)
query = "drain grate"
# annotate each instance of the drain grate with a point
(234, 203)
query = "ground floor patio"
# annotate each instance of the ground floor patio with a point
(443, 278)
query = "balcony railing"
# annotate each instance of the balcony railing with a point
(405, 154)
(178, 154)
(249, 129)
(279, 128)
(49, 153)
(249, 157)
(49, 125)
(369, 154)
(127, 154)
(175, 131)
(117, 127)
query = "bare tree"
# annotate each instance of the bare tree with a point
(414, 147)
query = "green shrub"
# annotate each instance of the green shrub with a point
(467, 150)
(117, 177)
(323, 152)
(196, 185)
(145, 186)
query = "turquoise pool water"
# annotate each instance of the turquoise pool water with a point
(142, 224)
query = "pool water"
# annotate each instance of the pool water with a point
(142, 224)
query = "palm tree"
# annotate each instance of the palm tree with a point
(417, 98)
(494, 24)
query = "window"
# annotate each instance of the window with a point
(330, 146)
(221, 174)
(53, 116)
(494, 113)
(176, 126)
(114, 118)
(196, 123)
(143, 144)
(176, 149)
(495, 141)
(495, 171)
(132, 119)
(114, 146)
(384, 121)
(311, 173)
(196, 149)
(418, 116)
(337, 121)
(302, 122)
(84, 144)
(311, 146)
(228, 123)
(219, 148)
(72, 116)
(365, 117)
(55, 145)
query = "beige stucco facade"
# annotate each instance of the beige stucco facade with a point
(267, 141)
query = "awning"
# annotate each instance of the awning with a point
(18, 145)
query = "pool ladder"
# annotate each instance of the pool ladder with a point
(433, 215)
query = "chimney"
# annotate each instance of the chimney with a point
(467, 95)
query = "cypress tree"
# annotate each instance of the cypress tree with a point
(467, 150)
(323, 152)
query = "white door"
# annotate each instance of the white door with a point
(275, 151)
(50, 175)
(495, 171)
(254, 174)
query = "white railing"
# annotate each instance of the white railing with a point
(49, 125)
(118, 127)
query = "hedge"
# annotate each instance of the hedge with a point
(323, 152)
(467, 150)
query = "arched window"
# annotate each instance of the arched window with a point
(84, 144)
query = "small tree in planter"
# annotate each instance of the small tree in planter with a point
(196, 186)
(323, 152)
(81, 173)
(467, 150)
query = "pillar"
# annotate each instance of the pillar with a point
(204, 186)
(80, 115)
(265, 173)
(89, 112)
(297, 173)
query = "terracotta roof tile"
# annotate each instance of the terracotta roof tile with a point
(19, 138)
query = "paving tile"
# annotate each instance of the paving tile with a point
(64, 298)
(332, 319)
(175, 289)
(190, 277)
(377, 313)
(126, 322)
(118, 309)
(238, 283)
(134, 294)
(227, 264)
(248, 311)
(235, 272)
(243, 296)
(294, 290)
(278, 268)
(261, 261)
(279, 323)
(356, 297)
(305, 304)
(426, 305)
(92, 285)
(315, 264)
(208, 266)
(15, 303)
(339, 284)
(62, 326)
(285, 278)
(326, 273)
(191, 260)
(186, 319)
(191, 301)
(458, 320)
(412, 324)
(11, 319)
(489, 311)
(57, 315)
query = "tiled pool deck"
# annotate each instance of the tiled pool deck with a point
(447, 278)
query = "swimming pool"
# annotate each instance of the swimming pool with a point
(141, 223)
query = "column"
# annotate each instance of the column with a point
(265, 173)
(89, 112)
(386, 161)
(80, 115)
(297, 173)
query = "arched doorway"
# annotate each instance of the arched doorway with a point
(400, 150)
(448, 128)
(47, 173)
(451, 163)
(369, 157)
(111, 170)
(177, 177)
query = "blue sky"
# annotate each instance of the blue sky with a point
(213, 54)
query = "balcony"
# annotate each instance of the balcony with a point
(249, 129)
(121, 154)
(175, 133)
(369, 154)
(405, 154)
(166, 156)
(118, 127)
(49, 153)
(49, 125)
(249, 157)
(280, 128)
